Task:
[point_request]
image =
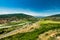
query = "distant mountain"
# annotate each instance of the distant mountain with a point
(53, 17)
(16, 16)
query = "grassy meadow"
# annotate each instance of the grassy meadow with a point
(33, 35)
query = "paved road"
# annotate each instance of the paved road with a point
(25, 28)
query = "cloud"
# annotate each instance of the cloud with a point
(25, 11)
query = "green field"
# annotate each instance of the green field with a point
(5, 28)
(44, 27)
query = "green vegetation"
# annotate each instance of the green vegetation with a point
(34, 34)
(46, 24)
(17, 17)
(53, 17)
(14, 21)
(12, 27)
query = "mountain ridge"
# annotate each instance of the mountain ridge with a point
(55, 17)
(16, 16)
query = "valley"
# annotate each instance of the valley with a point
(44, 28)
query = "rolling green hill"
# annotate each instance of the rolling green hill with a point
(53, 17)
(17, 16)
(48, 29)
(13, 21)
(57, 15)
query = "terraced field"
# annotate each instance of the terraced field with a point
(45, 30)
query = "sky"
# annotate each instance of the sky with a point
(30, 7)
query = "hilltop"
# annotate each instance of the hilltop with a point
(53, 17)
(16, 17)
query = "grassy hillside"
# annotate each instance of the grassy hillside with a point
(34, 35)
(16, 17)
(49, 29)
(53, 17)
(13, 21)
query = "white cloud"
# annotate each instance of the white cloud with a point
(27, 11)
